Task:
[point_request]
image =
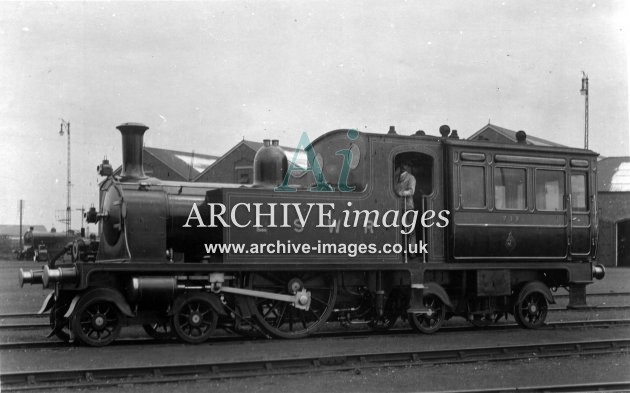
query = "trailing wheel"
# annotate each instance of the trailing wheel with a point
(431, 322)
(531, 311)
(160, 330)
(282, 319)
(194, 319)
(96, 320)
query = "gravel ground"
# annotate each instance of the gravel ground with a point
(488, 375)
(74, 357)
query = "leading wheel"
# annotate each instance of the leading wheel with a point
(431, 322)
(194, 319)
(531, 312)
(281, 319)
(96, 321)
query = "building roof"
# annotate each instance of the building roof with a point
(186, 164)
(14, 230)
(511, 135)
(613, 174)
(301, 161)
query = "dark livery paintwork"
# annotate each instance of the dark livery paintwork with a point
(522, 222)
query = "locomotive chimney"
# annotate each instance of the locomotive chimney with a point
(132, 137)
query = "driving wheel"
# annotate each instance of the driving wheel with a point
(282, 319)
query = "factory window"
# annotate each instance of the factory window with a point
(549, 190)
(578, 192)
(473, 186)
(243, 174)
(510, 188)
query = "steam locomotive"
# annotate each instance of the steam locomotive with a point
(497, 229)
(42, 246)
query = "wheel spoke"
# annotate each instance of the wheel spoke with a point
(312, 311)
(271, 308)
(318, 300)
(279, 320)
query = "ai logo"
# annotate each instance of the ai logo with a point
(316, 170)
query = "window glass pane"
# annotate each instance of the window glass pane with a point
(473, 186)
(578, 191)
(549, 190)
(510, 188)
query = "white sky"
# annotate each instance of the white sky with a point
(204, 75)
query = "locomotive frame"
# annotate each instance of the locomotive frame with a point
(533, 229)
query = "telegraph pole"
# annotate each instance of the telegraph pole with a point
(21, 210)
(584, 92)
(68, 219)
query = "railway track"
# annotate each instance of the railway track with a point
(618, 386)
(104, 377)
(331, 334)
(589, 295)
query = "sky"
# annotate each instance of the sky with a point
(204, 75)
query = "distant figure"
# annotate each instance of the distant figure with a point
(28, 236)
(405, 188)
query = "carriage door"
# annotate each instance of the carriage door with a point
(579, 209)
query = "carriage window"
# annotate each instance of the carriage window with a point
(473, 186)
(578, 192)
(510, 188)
(549, 190)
